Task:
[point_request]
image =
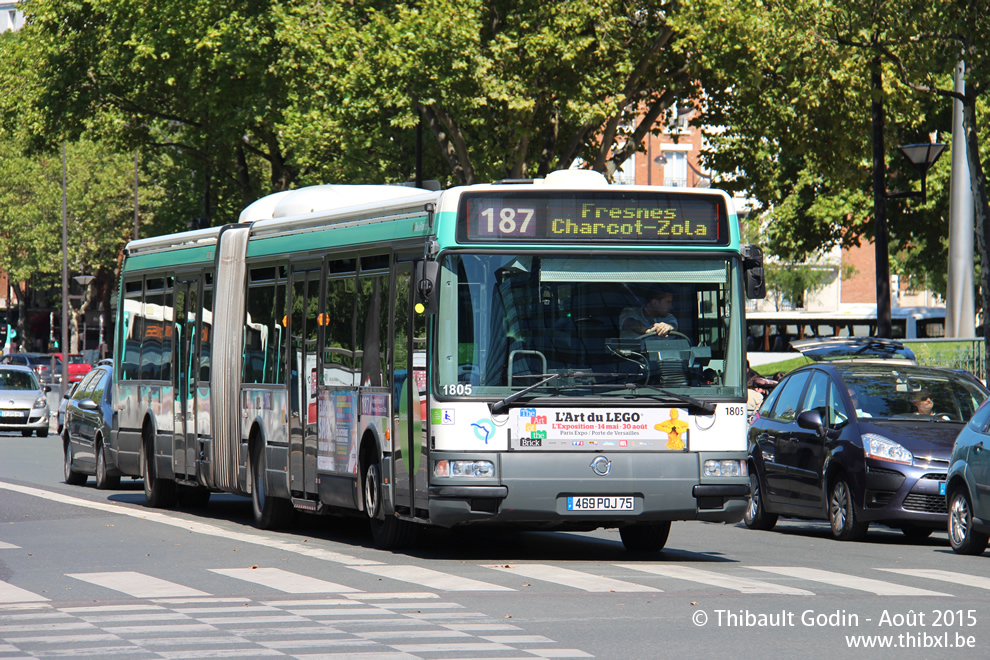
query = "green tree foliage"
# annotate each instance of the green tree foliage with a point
(792, 284)
(787, 84)
(506, 89)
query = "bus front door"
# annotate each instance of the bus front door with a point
(410, 449)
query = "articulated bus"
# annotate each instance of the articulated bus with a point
(773, 331)
(444, 358)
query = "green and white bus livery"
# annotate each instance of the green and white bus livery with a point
(466, 356)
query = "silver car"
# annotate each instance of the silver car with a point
(23, 404)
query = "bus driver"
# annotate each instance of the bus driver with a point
(652, 318)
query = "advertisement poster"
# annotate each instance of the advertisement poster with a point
(337, 449)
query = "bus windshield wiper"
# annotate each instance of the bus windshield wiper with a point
(707, 408)
(499, 406)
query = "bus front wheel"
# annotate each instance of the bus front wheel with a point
(387, 531)
(645, 537)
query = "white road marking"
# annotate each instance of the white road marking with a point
(271, 542)
(977, 581)
(429, 578)
(743, 585)
(571, 578)
(877, 587)
(11, 594)
(8, 546)
(137, 584)
(290, 583)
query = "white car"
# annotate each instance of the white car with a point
(23, 404)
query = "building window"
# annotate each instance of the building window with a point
(675, 170)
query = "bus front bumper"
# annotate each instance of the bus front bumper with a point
(541, 490)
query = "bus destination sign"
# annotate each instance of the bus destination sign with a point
(611, 217)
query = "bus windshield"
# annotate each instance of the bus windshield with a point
(587, 325)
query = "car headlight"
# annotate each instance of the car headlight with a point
(885, 449)
(41, 401)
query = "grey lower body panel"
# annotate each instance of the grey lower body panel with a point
(531, 490)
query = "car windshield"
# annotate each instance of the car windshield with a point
(573, 325)
(18, 380)
(896, 392)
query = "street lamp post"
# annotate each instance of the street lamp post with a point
(922, 156)
(64, 341)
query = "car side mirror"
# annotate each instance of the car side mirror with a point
(47, 388)
(88, 404)
(812, 421)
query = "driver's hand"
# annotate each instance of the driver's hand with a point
(662, 329)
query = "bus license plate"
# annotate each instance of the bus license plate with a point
(11, 413)
(600, 503)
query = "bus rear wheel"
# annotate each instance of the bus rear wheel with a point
(387, 531)
(645, 537)
(269, 512)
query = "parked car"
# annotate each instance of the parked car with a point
(825, 349)
(88, 422)
(40, 363)
(77, 366)
(62, 405)
(847, 442)
(23, 401)
(967, 488)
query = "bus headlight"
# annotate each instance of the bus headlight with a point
(482, 469)
(725, 468)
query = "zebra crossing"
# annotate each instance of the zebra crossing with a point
(301, 616)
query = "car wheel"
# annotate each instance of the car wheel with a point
(269, 512)
(72, 477)
(842, 513)
(26, 432)
(962, 537)
(645, 537)
(387, 531)
(757, 516)
(43, 433)
(103, 480)
(158, 493)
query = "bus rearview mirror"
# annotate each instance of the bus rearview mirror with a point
(426, 274)
(756, 286)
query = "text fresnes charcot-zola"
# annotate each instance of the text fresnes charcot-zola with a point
(666, 223)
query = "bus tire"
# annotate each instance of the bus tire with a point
(103, 480)
(159, 493)
(645, 537)
(387, 531)
(269, 512)
(71, 477)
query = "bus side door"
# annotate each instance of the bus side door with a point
(410, 447)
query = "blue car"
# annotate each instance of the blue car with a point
(968, 486)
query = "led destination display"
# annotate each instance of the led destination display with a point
(611, 217)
